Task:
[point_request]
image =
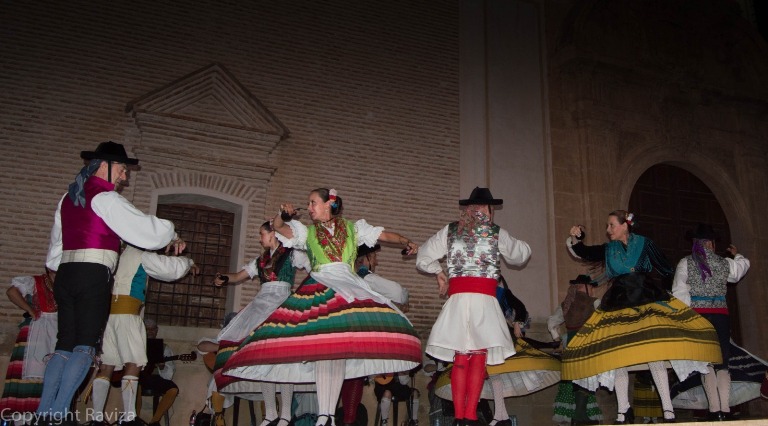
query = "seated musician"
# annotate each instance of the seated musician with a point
(157, 353)
(399, 386)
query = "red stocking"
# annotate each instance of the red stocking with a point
(475, 379)
(351, 395)
(459, 384)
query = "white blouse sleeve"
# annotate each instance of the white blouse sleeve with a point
(367, 234)
(554, 321)
(430, 253)
(55, 245)
(680, 288)
(300, 260)
(737, 267)
(25, 284)
(299, 239)
(165, 268)
(131, 224)
(251, 268)
(515, 252)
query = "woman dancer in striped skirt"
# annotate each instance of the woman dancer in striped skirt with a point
(638, 324)
(276, 270)
(333, 327)
(36, 339)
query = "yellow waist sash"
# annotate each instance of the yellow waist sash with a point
(123, 304)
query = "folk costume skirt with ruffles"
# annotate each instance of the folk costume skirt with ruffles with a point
(529, 370)
(659, 331)
(271, 295)
(20, 394)
(317, 323)
(468, 322)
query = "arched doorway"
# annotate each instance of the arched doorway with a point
(668, 201)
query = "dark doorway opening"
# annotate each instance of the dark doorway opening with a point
(668, 201)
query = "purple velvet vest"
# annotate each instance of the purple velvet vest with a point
(81, 228)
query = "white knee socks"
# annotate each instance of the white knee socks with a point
(384, 405)
(99, 394)
(130, 385)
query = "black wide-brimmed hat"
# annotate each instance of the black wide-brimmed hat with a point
(481, 196)
(109, 151)
(363, 249)
(584, 279)
(702, 232)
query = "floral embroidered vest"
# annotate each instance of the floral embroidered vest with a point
(324, 248)
(473, 252)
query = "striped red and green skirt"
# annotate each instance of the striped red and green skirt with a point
(19, 395)
(315, 324)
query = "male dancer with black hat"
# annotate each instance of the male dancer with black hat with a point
(90, 221)
(471, 330)
(701, 282)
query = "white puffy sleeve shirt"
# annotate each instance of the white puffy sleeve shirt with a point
(366, 234)
(515, 252)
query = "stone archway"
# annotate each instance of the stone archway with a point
(668, 201)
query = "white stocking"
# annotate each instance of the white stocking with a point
(414, 406)
(329, 377)
(621, 387)
(286, 398)
(500, 409)
(384, 406)
(268, 389)
(661, 379)
(709, 381)
(724, 389)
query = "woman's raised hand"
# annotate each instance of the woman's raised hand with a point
(288, 208)
(577, 232)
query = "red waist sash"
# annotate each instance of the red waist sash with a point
(480, 285)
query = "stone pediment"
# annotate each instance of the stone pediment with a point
(211, 96)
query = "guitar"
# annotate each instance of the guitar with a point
(117, 376)
(384, 379)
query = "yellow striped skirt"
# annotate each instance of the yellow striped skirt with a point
(656, 331)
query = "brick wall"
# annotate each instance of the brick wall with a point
(368, 95)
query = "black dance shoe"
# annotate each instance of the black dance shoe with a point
(672, 420)
(629, 418)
